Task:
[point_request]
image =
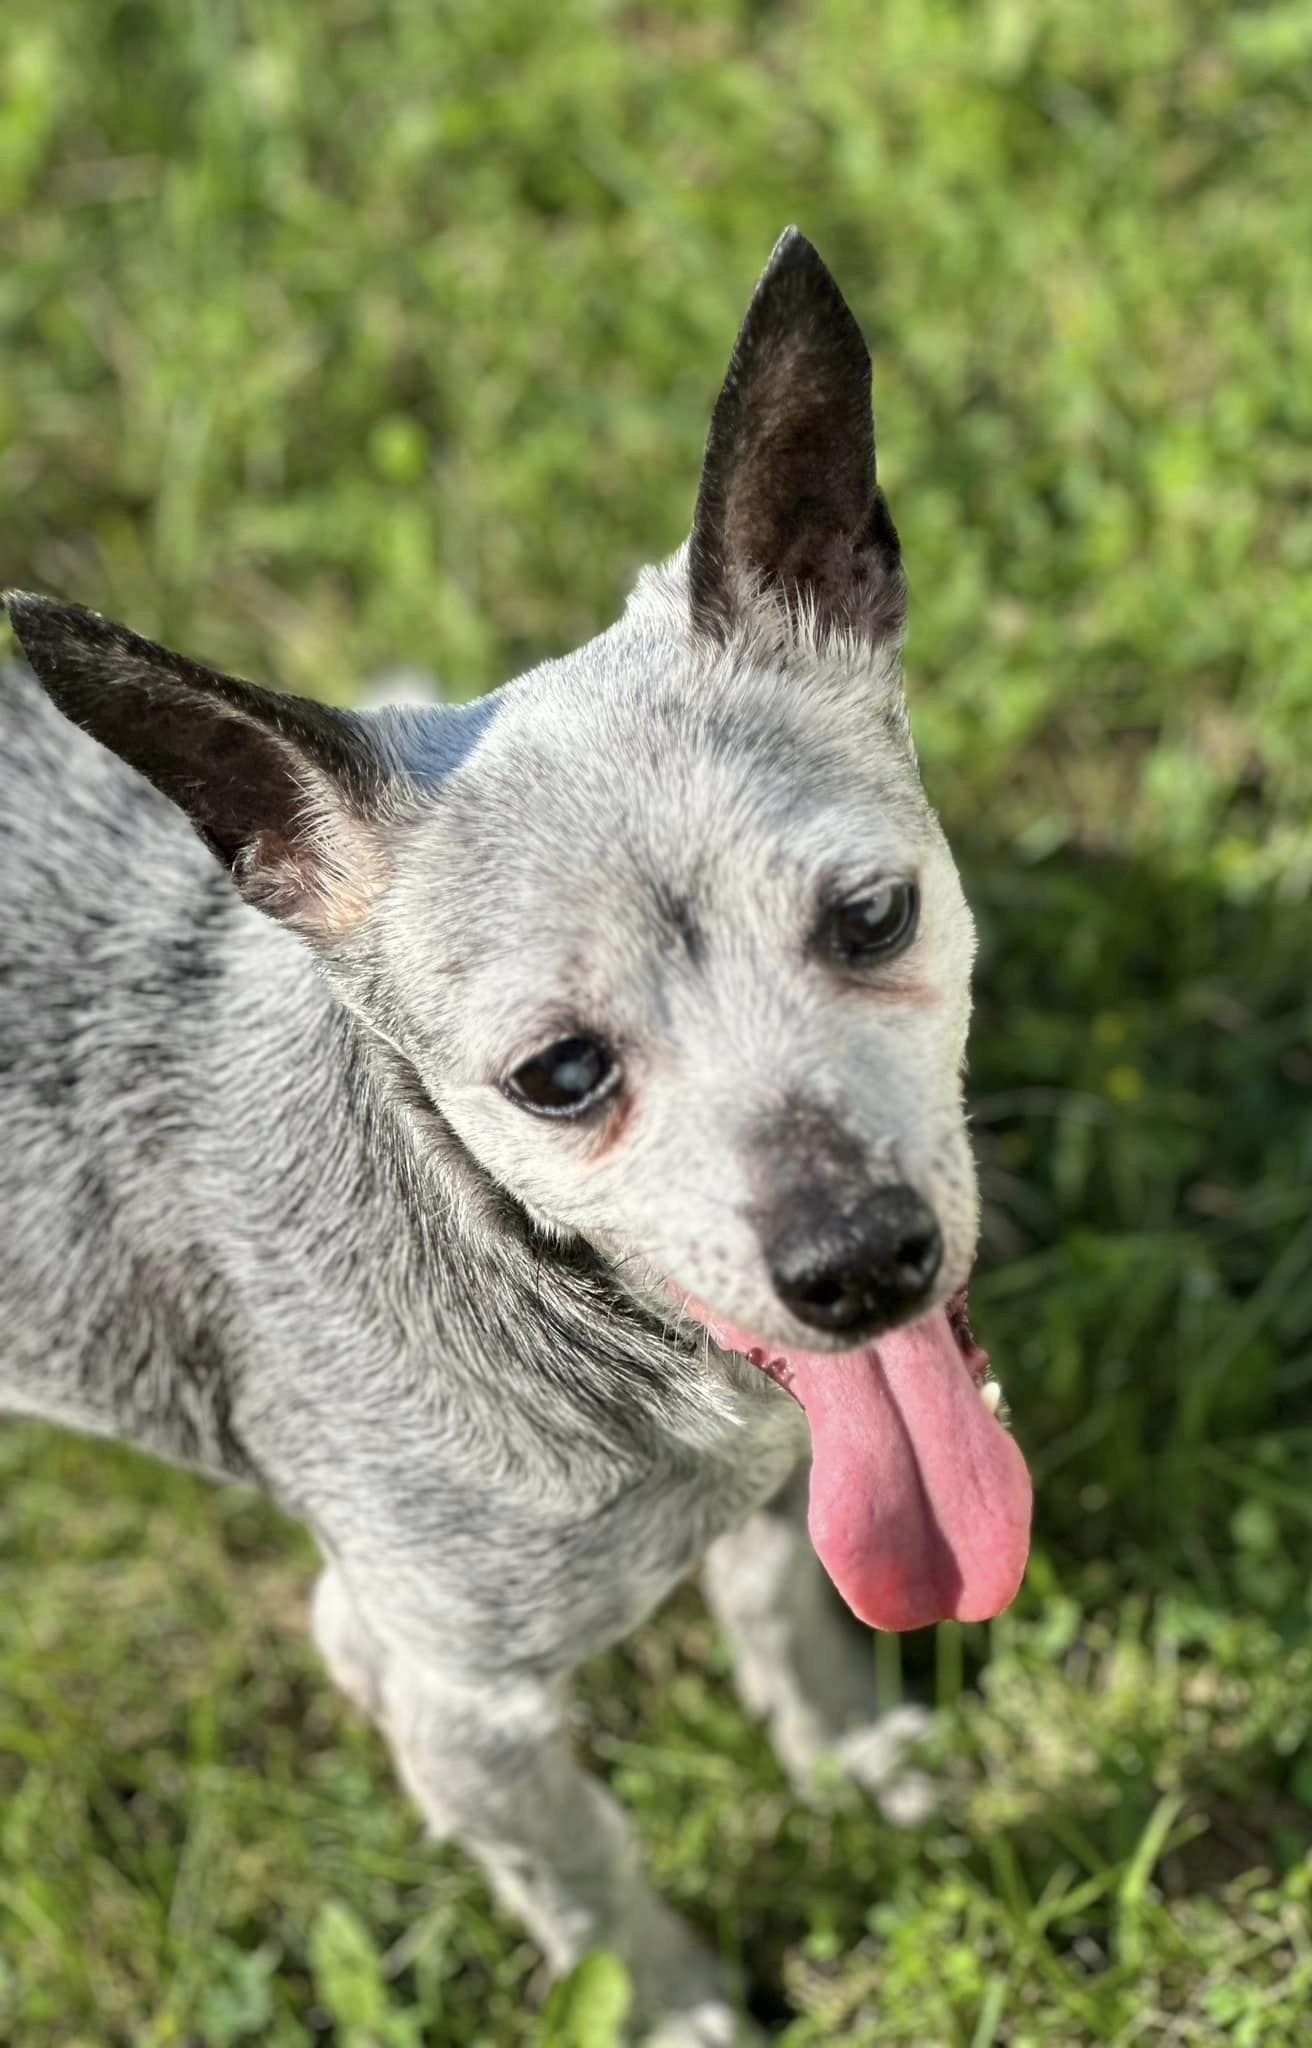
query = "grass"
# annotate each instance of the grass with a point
(381, 332)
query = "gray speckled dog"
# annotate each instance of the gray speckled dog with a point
(540, 1042)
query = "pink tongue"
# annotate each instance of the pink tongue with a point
(920, 1500)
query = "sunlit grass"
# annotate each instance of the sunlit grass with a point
(343, 336)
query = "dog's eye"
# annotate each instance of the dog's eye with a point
(566, 1079)
(875, 926)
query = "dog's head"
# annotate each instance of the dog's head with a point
(666, 930)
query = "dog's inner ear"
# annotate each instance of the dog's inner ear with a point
(284, 791)
(788, 505)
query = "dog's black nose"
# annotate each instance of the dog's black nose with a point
(858, 1272)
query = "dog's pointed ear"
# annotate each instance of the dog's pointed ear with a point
(788, 505)
(286, 792)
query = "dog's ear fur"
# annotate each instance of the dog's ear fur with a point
(284, 791)
(788, 506)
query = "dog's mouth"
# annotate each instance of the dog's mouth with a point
(920, 1499)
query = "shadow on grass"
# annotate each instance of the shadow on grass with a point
(1141, 1080)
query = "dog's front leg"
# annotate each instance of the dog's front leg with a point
(802, 1666)
(491, 1769)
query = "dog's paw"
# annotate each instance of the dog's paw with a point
(710, 2024)
(875, 1757)
(684, 1994)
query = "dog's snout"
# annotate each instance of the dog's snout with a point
(855, 1273)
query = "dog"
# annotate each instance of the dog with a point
(526, 1138)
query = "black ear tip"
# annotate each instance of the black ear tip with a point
(26, 608)
(798, 289)
(792, 247)
(42, 623)
(793, 255)
(28, 615)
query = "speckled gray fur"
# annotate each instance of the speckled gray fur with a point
(267, 1210)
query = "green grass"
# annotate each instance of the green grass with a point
(368, 332)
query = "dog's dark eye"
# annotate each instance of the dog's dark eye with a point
(874, 926)
(566, 1079)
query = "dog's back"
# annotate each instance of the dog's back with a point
(111, 955)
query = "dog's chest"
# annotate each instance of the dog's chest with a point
(654, 1532)
(544, 1566)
